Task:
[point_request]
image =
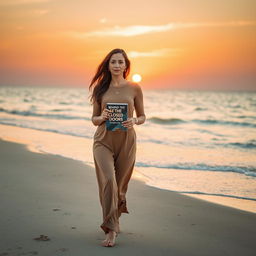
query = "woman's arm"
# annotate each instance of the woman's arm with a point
(97, 117)
(139, 107)
(97, 120)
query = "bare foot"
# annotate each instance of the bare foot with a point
(110, 239)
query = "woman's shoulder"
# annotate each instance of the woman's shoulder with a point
(134, 86)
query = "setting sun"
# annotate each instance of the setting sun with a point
(136, 78)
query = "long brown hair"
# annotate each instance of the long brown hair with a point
(102, 78)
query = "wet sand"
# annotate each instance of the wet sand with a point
(48, 195)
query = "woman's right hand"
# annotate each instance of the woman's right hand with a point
(105, 114)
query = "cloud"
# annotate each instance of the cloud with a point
(156, 53)
(122, 31)
(20, 2)
(144, 29)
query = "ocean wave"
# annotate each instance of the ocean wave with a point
(213, 194)
(52, 116)
(248, 145)
(210, 132)
(160, 120)
(173, 121)
(65, 103)
(214, 121)
(155, 141)
(84, 135)
(60, 110)
(246, 170)
(251, 144)
(244, 117)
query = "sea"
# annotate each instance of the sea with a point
(193, 142)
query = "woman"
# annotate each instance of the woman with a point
(114, 151)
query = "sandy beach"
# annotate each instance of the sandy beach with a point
(56, 197)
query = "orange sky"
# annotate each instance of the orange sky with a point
(193, 44)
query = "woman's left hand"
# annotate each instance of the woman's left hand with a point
(129, 123)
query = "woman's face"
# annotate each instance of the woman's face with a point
(117, 64)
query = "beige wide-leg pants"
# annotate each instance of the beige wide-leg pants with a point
(114, 157)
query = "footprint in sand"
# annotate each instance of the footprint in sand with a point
(42, 238)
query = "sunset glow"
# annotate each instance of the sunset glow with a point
(200, 45)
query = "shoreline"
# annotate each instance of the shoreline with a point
(22, 135)
(41, 195)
